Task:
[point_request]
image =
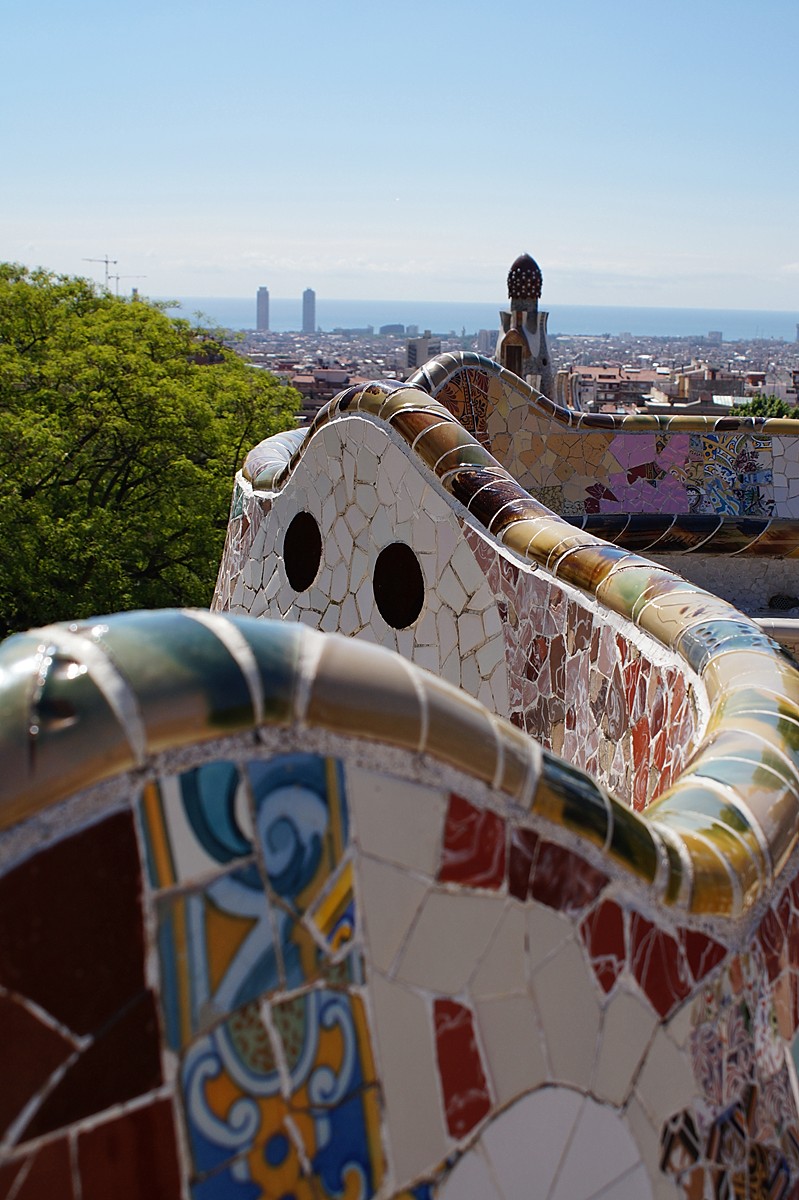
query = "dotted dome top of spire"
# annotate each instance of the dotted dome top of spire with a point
(525, 279)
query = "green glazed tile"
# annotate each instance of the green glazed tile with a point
(581, 804)
(276, 646)
(58, 733)
(186, 681)
(632, 843)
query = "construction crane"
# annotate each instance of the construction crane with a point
(116, 279)
(108, 262)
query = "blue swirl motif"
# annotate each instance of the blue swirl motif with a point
(209, 800)
(343, 1152)
(214, 1140)
(324, 1087)
(295, 813)
(291, 823)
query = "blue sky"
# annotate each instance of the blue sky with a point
(643, 153)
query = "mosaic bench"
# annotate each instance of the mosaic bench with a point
(287, 914)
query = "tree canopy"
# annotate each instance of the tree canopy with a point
(121, 430)
(764, 406)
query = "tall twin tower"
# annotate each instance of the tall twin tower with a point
(308, 310)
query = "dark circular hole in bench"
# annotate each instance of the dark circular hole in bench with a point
(398, 585)
(302, 551)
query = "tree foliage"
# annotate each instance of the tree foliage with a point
(120, 432)
(764, 406)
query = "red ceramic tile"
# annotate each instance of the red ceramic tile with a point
(772, 940)
(658, 965)
(563, 880)
(75, 945)
(474, 846)
(30, 1051)
(463, 1081)
(557, 666)
(44, 1175)
(784, 910)
(122, 1063)
(8, 1173)
(702, 953)
(632, 673)
(523, 845)
(133, 1157)
(602, 932)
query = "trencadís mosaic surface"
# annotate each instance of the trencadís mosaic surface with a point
(505, 906)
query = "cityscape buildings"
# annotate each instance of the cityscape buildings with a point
(308, 310)
(262, 310)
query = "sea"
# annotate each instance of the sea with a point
(443, 317)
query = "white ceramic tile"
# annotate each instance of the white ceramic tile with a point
(451, 591)
(524, 1144)
(424, 530)
(470, 676)
(450, 935)
(490, 655)
(666, 1082)
(465, 567)
(447, 631)
(389, 900)
(349, 621)
(571, 1029)
(356, 519)
(367, 466)
(470, 1180)
(627, 1029)
(501, 970)
(343, 538)
(547, 931)
(511, 1040)
(365, 600)
(381, 531)
(601, 1151)
(366, 499)
(427, 657)
(398, 821)
(470, 632)
(635, 1185)
(648, 1141)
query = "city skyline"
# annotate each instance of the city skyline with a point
(655, 167)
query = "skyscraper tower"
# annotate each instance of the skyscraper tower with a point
(262, 310)
(309, 311)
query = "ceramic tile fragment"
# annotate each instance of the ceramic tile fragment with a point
(461, 1069)
(571, 1032)
(464, 923)
(470, 1179)
(390, 900)
(509, 1032)
(541, 1122)
(502, 969)
(627, 1027)
(395, 820)
(417, 1138)
(602, 1153)
(665, 1082)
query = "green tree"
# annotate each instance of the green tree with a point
(764, 406)
(120, 432)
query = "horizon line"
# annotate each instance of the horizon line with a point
(483, 303)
